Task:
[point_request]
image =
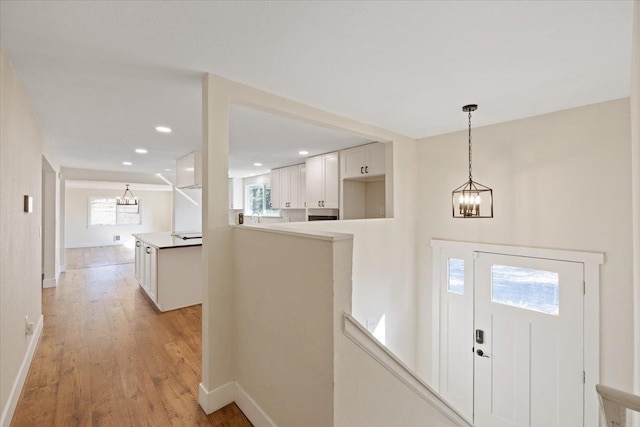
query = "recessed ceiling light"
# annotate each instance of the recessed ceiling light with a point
(127, 163)
(141, 151)
(190, 169)
(167, 170)
(303, 152)
(163, 129)
(257, 164)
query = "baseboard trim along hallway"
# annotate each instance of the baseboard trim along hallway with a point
(16, 389)
(215, 399)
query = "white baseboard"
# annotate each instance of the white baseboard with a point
(14, 394)
(50, 283)
(251, 409)
(213, 400)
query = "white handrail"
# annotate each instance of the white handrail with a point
(615, 403)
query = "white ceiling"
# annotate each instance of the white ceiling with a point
(102, 75)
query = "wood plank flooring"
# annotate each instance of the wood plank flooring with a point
(98, 256)
(106, 357)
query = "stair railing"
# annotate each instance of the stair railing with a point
(615, 403)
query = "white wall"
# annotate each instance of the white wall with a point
(155, 207)
(187, 216)
(560, 180)
(635, 147)
(21, 150)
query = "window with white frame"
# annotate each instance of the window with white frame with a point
(258, 200)
(105, 211)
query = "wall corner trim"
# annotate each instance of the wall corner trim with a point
(16, 389)
(211, 401)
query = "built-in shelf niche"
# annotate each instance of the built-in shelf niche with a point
(364, 198)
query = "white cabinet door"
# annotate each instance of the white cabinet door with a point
(314, 182)
(153, 276)
(376, 159)
(276, 190)
(147, 268)
(236, 193)
(353, 162)
(139, 257)
(189, 170)
(294, 187)
(366, 160)
(302, 186)
(331, 197)
(285, 187)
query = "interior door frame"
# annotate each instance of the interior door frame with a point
(591, 262)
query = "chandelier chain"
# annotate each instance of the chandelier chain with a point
(470, 177)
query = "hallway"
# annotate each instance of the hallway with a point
(106, 357)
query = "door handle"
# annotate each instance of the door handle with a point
(481, 353)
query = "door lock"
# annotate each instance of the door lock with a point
(479, 336)
(481, 353)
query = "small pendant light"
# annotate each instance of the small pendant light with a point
(127, 198)
(472, 199)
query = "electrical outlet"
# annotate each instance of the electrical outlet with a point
(28, 326)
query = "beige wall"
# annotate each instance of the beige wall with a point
(384, 250)
(283, 325)
(155, 207)
(560, 180)
(635, 144)
(21, 147)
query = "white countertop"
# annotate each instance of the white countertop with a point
(165, 240)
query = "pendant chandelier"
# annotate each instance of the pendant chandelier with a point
(472, 199)
(127, 198)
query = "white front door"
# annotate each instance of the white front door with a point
(529, 366)
(511, 339)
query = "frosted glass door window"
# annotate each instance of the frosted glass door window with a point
(526, 288)
(455, 283)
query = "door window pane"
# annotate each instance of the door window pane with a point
(525, 288)
(455, 281)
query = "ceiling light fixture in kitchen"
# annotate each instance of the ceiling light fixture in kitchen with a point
(303, 152)
(141, 151)
(257, 164)
(127, 198)
(163, 129)
(127, 163)
(465, 200)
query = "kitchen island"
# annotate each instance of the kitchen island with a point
(169, 269)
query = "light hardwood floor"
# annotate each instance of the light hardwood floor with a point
(98, 256)
(106, 357)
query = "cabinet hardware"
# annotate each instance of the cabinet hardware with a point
(148, 250)
(323, 203)
(362, 170)
(366, 169)
(138, 244)
(319, 204)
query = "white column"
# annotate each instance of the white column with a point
(217, 357)
(635, 176)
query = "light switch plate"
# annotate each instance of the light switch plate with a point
(28, 203)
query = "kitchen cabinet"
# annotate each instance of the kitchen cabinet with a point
(236, 193)
(322, 181)
(169, 269)
(285, 187)
(363, 161)
(189, 171)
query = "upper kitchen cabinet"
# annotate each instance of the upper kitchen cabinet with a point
(236, 193)
(323, 181)
(287, 187)
(363, 161)
(189, 171)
